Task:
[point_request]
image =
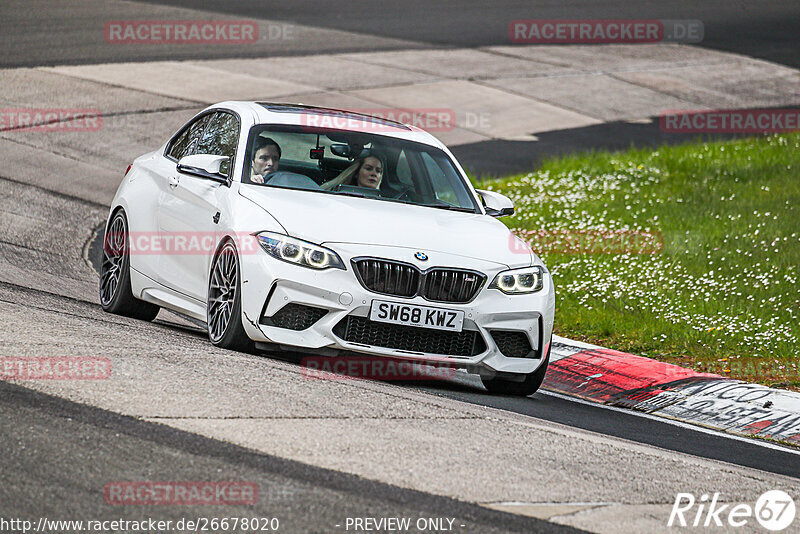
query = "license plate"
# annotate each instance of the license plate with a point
(415, 315)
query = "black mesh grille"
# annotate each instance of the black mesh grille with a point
(451, 285)
(405, 280)
(513, 344)
(412, 338)
(295, 317)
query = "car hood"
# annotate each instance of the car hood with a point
(327, 218)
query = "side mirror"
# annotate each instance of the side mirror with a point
(204, 166)
(497, 205)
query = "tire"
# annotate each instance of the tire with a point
(115, 274)
(224, 306)
(525, 388)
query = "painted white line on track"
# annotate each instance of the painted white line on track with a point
(674, 422)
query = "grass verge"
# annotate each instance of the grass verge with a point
(713, 286)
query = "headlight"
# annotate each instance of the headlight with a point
(519, 281)
(299, 252)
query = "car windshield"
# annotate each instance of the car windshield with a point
(355, 164)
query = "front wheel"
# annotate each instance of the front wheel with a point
(224, 307)
(526, 387)
(116, 295)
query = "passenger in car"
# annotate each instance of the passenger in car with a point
(266, 157)
(366, 171)
(370, 172)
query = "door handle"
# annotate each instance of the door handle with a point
(173, 181)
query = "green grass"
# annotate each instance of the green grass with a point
(722, 295)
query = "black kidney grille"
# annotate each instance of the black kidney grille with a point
(513, 344)
(451, 285)
(405, 280)
(387, 277)
(412, 338)
(295, 317)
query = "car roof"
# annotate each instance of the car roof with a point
(316, 116)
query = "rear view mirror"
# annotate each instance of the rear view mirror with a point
(341, 150)
(349, 151)
(497, 205)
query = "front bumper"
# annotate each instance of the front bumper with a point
(269, 284)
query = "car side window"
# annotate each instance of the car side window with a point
(220, 138)
(184, 144)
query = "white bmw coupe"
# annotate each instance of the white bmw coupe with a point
(302, 228)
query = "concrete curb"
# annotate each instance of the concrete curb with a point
(616, 378)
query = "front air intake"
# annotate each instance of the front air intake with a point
(409, 338)
(295, 317)
(513, 344)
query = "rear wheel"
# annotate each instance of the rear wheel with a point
(224, 314)
(115, 275)
(524, 388)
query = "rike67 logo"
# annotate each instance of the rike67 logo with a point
(774, 510)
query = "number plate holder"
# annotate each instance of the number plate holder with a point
(385, 311)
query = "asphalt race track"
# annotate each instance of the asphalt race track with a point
(766, 30)
(70, 35)
(320, 452)
(59, 431)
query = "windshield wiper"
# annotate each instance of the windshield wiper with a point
(439, 206)
(449, 207)
(352, 194)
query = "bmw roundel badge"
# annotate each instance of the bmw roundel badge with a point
(421, 256)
